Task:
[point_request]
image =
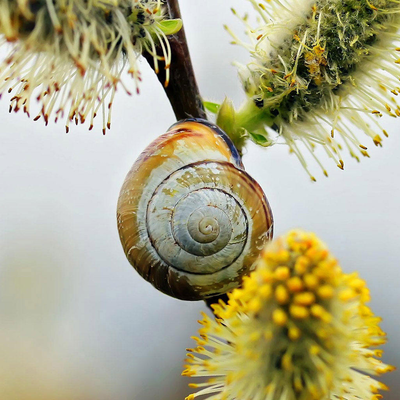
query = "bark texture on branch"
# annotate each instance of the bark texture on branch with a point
(182, 91)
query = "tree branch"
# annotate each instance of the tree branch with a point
(182, 91)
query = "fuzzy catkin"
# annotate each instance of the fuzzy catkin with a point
(322, 70)
(321, 56)
(70, 54)
(298, 329)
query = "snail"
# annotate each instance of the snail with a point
(190, 219)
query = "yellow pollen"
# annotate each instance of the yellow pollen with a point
(347, 294)
(326, 292)
(281, 256)
(295, 284)
(294, 333)
(318, 311)
(301, 265)
(254, 305)
(235, 294)
(266, 274)
(377, 140)
(188, 372)
(378, 353)
(365, 153)
(357, 284)
(265, 291)
(217, 309)
(315, 350)
(282, 273)
(382, 386)
(279, 317)
(299, 312)
(311, 281)
(304, 299)
(281, 294)
(249, 285)
(199, 341)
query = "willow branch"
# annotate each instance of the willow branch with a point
(182, 90)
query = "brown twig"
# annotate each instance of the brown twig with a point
(182, 90)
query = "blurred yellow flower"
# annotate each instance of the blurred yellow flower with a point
(299, 328)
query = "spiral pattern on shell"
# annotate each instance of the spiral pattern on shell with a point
(191, 220)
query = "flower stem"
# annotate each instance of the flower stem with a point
(182, 90)
(250, 117)
(248, 122)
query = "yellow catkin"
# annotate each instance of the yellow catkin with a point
(300, 328)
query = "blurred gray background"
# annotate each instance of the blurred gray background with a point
(77, 322)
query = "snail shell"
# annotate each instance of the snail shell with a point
(190, 219)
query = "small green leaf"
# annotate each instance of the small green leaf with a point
(170, 26)
(261, 140)
(226, 118)
(212, 107)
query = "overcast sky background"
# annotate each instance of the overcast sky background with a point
(77, 322)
